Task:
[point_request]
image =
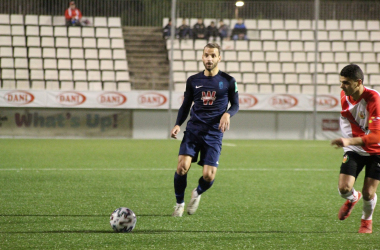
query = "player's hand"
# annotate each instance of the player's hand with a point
(224, 124)
(340, 142)
(175, 131)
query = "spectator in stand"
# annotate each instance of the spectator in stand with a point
(167, 29)
(184, 30)
(240, 31)
(212, 31)
(73, 15)
(224, 31)
(199, 30)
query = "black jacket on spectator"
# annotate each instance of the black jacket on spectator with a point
(199, 31)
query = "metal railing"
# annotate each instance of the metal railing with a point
(152, 12)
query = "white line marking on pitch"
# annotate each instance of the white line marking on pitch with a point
(166, 169)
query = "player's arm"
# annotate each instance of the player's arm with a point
(233, 97)
(371, 138)
(373, 107)
(183, 111)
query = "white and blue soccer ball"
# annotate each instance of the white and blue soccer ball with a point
(123, 220)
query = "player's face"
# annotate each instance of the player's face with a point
(349, 86)
(210, 58)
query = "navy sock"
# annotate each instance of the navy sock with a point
(180, 183)
(203, 185)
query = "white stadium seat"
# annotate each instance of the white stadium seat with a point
(17, 19)
(46, 31)
(61, 42)
(65, 75)
(119, 54)
(31, 20)
(52, 85)
(50, 63)
(106, 65)
(100, 21)
(114, 22)
(35, 63)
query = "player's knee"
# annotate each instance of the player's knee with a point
(368, 195)
(209, 177)
(344, 189)
(182, 169)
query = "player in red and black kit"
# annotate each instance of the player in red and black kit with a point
(211, 90)
(360, 127)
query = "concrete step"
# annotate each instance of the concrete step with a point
(150, 72)
(149, 86)
(147, 57)
(160, 43)
(143, 60)
(142, 30)
(153, 56)
(150, 82)
(150, 64)
(148, 75)
(142, 38)
(145, 49)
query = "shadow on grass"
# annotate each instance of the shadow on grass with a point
(77, 215)
(163, 231)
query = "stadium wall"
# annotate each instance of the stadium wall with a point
(152, 12)
(248, 125)
(144, 115)
(154, 124)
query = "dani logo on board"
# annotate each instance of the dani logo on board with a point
(152, 99)
(111, 99)
(326, 102)
(283, 101)
(71, 98)
(19, 97)
(247, 100)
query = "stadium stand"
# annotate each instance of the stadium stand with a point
(279, 56)
(40, 52)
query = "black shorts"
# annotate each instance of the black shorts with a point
(353, 164)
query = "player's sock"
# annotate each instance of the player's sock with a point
(180, 183)
(368, 208)
(203, 185)
(352, 196)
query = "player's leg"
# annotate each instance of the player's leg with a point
(188, 152)
(180, 177)
(371, 182)
(204, 183)
(209, 160)
(369, 204)
(180, 183)
(350, 169)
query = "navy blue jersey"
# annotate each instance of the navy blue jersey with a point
(211, 95)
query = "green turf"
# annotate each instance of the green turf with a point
(59, 194)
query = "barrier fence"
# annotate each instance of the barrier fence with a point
(152, 12)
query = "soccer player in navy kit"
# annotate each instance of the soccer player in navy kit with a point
(211, 90)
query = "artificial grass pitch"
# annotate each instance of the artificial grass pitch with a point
(59, 194)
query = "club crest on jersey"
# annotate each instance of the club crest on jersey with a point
(208, 97)
(361, 115)
(220, 85)
(345, 158)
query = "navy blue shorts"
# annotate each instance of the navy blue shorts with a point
(208, 145)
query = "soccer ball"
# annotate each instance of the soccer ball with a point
(123, 219)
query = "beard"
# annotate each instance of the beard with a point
(210, 66)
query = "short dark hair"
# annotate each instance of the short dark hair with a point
(213, 46)
(352, 71)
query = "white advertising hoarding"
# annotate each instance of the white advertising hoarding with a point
(157, 100)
